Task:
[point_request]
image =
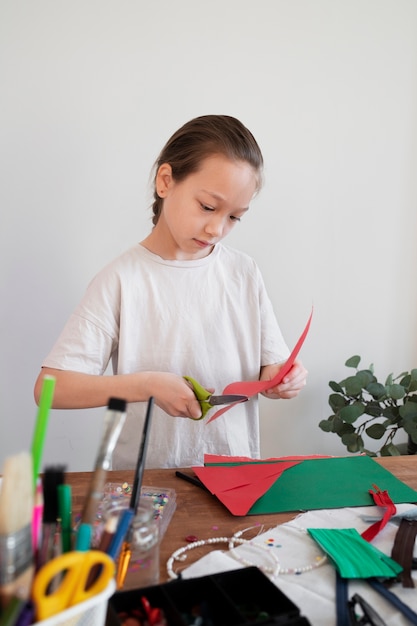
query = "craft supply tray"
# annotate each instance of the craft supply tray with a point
(236, 598)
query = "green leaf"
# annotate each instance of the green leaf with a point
(405, 382)
(337, 424)
(353, 361)
(389, 379)
(353, 386)
(376, 431)
(414, 374)
(345, 429)
(365, 377)
(337, 402)
(403, 374)
(373, 408)
(409, 410)
(390, 450)
(396, 392)
(412, 386)
(353, 442)
(376, 390)
(391, 412)
(410, 428)
(335, 386)
(326, 426)
(351, 413)
(392, 415)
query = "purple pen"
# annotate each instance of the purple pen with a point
(26, 616)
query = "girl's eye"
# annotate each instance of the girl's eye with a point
(234, 218)
(206, 208)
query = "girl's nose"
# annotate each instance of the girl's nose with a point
(215, 226)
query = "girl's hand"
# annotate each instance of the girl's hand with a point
(173, 395)
(292, 383)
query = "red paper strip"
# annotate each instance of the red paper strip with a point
(382, 499)
(253, 387)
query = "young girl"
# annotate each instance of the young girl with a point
(180, 303)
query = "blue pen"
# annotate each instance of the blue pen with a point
(121, 531)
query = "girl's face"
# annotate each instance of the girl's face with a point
(201, 210)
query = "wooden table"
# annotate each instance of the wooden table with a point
(201, 514)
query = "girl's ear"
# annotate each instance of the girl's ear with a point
(163, 179)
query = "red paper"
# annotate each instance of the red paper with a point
(253, 387)
(239, 487)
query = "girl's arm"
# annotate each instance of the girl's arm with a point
(75, 390)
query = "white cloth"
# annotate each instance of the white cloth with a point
(313, 592)
(210, 319)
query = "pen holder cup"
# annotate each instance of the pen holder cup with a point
(141, 569)
(92, 612)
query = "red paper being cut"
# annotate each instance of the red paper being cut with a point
(252, 387)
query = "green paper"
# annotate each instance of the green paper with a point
(352, 555)
(335, 482)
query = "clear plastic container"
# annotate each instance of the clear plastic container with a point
(162, 499)
(143, 539)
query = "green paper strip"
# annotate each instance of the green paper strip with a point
(352, 555)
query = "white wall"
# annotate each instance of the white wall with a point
(90, 91)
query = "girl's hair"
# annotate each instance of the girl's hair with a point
(203, 137)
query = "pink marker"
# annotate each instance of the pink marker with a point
(37, 516)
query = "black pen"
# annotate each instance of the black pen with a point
(126, 550)
(50, 541)
(193, 480)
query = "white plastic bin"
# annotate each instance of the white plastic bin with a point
(92, 612)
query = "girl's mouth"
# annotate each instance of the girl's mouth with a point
(203, 244)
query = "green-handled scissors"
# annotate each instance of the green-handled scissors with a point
(207, 400)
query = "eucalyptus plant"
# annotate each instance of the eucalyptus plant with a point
(362, 405)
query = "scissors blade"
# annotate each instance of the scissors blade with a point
(226, 399)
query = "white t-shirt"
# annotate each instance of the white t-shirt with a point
(209, 318)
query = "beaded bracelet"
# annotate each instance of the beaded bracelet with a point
(320, 560)
(179, 555)
(275, 570)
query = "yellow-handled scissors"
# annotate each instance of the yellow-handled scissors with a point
(207, 400)
(70, 574)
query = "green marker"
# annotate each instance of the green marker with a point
(65, 514)
(39, 434)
